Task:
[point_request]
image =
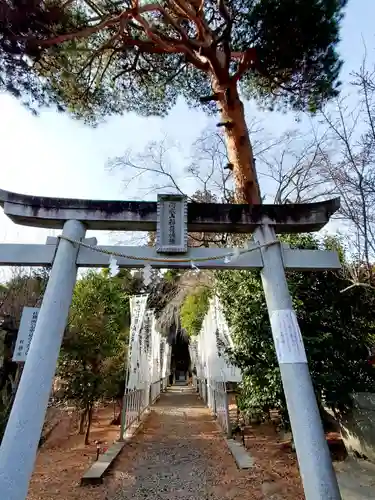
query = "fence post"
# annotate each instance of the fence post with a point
(124, 413)
(139, 403)
(22, 434)
(318, 477)
(227, 415)
(214, 400)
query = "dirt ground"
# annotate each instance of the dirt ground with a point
(278, 464)
(64, 458)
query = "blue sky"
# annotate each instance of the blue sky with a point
(52, 155)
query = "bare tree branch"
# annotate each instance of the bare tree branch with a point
(347, 164)
(24, 288)
(295, 171)
(204, 174)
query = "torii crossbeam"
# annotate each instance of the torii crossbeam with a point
(52, 213)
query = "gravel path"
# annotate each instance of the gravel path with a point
(181, 455)
(356, 479)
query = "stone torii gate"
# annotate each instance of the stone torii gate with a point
(171, 217)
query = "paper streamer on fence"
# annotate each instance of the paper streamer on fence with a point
(137, 311)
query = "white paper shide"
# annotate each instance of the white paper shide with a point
(137, 310)
(25, 333)
(287, 337)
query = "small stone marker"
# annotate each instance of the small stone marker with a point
(243, 459)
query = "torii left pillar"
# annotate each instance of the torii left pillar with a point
(20, 442)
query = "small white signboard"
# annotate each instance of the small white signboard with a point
(287, 337)
(25, 333)
(171, 232)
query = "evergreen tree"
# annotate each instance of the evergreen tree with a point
(101, 57)
(94, 352)
(338, 331)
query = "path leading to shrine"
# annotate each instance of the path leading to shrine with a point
(182, 455)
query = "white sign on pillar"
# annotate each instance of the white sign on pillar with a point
(25, 333)
(287, 337)
(171, 231)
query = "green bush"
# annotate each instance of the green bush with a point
(337, 328)
(194, 309)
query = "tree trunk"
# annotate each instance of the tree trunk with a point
(117, 418)
(89, 421)
(239, 149)
(82, 422)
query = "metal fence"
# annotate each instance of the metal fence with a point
(136, 401)
(203, 390)
(215, 396)
(164, 384)
(221, 406)
(195, 382)
(155, 391)
(134, 404)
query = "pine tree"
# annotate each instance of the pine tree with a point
(103, 57)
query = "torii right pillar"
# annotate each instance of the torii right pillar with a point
(315, 463)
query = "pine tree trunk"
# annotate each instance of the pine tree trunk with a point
(239, 149)
(89, 421)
